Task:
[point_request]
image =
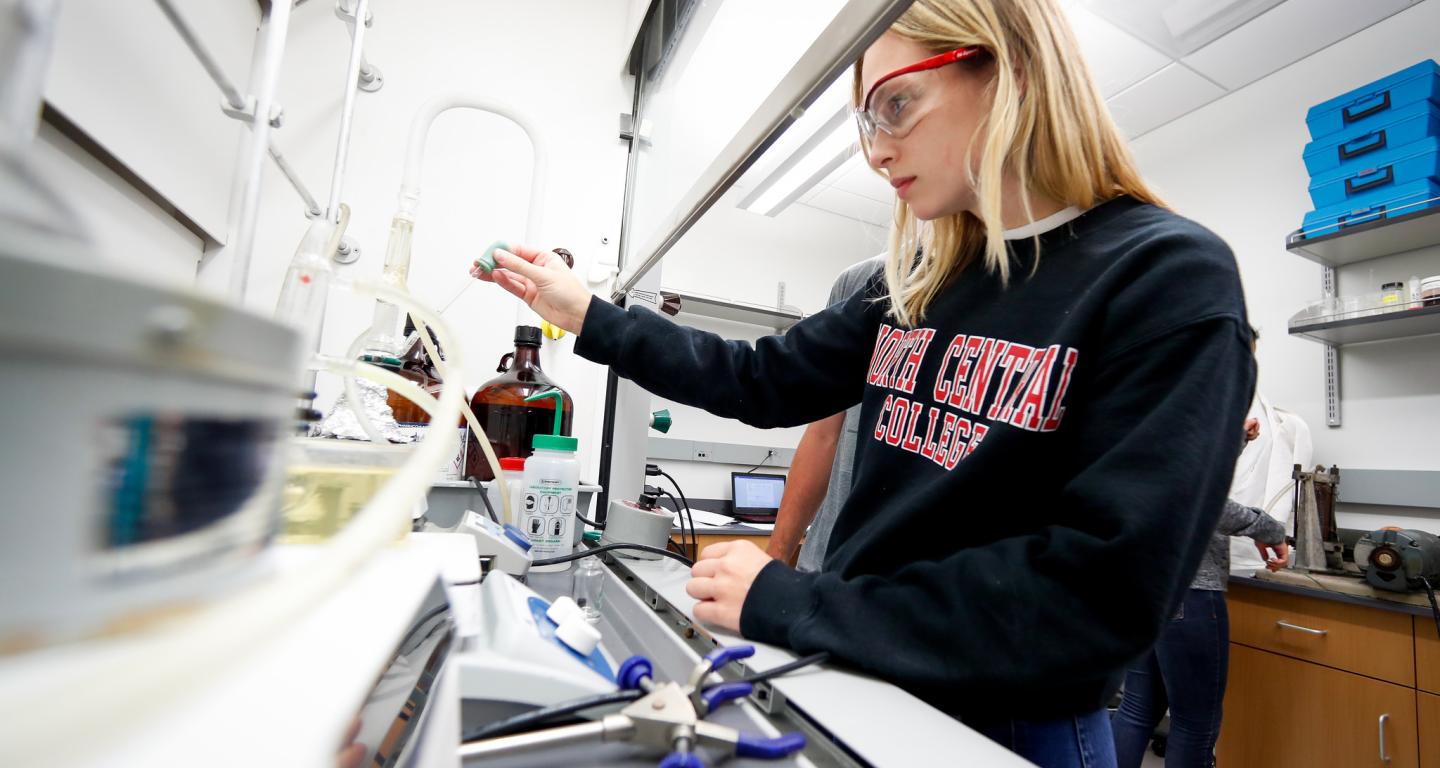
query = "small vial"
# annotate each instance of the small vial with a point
(586, 582)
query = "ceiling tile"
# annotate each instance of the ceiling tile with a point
(1117, 59)
(857, 178)
(1160, 98)
(853, 206)
(1179, 27)
(1286, 34)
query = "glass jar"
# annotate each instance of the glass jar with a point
(1392, 296)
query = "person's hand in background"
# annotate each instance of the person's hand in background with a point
(541, 280)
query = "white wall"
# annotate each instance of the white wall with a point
(121, 72)
(131, 233)
(558, 60)
(734, 254)
(1235, 166)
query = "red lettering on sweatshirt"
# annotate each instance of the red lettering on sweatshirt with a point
(914, 356)
(1014, 362)
(943, 385)
(1057, 409)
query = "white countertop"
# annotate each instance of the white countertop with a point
(878, 721)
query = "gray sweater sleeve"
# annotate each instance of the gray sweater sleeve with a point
(1240, 520)
(1235, 520)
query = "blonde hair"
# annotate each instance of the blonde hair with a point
(1047, 124)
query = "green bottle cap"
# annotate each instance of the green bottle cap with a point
(557, 441)
(660, 421)
(487, 258)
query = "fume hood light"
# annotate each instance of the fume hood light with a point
(1179, 27)
(835, 143)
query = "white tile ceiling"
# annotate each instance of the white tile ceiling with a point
(1125, 42)
(853, 191)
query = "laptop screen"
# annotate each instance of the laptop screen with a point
(756, 493)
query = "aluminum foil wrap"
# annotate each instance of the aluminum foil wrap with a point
(344, 424)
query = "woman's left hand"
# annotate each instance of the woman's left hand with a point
(721, 579)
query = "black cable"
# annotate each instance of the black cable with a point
(1434, 608)
(540, 716)
(485, 497)
(684, 501)
(682, 514)
(589, 522)
(607, 548)
(769, 454)
(536, 717)
(783, 669)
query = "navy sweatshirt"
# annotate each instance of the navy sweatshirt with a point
(1039, 470)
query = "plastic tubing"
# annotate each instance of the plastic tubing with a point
(351, 369)
(443, 368)
(156, 668)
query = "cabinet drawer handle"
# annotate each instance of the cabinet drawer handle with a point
(1384, 753)
(1306, 630)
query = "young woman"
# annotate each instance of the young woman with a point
(1050, 373)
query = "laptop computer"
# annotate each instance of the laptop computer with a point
(757, 496)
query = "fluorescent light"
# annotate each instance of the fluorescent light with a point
(815, 160)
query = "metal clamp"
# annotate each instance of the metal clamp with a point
(1384, 753)
(1287, 625)
(668, 718)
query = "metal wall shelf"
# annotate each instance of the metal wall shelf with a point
(1392, 233)
(1384, 327)
(736, 311)
(1370, 240)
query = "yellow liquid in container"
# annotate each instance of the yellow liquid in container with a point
(329, 481)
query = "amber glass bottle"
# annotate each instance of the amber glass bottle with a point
(500, 406)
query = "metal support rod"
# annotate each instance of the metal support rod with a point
(1332, 358)
(347, 112)
(369, 76)
(232, 94)
(235, 100)
(27, 39)
(612, 728)
(275, 27)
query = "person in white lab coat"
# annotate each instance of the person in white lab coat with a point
(1263, 474)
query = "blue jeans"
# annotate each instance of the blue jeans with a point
(1186, 673)
(1080, 741)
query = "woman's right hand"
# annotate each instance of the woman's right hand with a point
(541, 280)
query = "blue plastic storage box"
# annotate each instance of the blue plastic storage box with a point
(1409, 198)
(1383, 173)
(1349, 148)
(1368, 104)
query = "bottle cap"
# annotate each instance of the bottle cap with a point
(528, 334)
(512, 464)
(556, 441)
(562, 609)
(577, 634)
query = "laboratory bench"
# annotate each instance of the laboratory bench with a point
(1326, 671)
(847, 718)
(870, 721)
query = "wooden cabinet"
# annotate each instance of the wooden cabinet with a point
(705, 540)
(1427, 655)
(1366, 641)
(1281, 711)
(1316, 682)
(1429, 709)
